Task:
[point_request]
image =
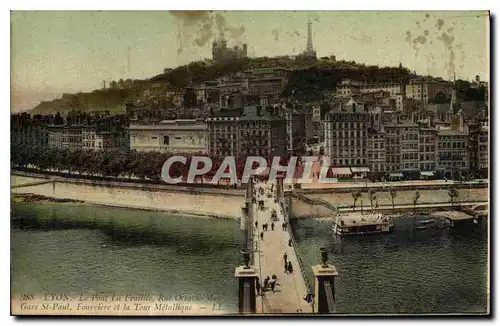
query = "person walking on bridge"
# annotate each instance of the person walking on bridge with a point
(262, 235)
(257, 286)
(272, 226)
(273, 284)
(285, 258)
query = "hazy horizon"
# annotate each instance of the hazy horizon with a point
(70, 51)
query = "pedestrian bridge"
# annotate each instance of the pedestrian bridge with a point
(266, 249)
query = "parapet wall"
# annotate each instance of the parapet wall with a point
(301, 209)
(183, 200)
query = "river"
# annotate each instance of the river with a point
(77, 248)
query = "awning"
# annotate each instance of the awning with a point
(341, 171)
(360, 169)
(396, 175)
(427, 173)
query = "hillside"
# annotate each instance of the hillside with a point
(306, 81)
(308, 84)
(110, 99)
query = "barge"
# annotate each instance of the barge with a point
(362, 224)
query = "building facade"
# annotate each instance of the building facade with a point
(262, 132)
(223, 133)
(426, 91)
(346, 134)
(376, 151)
(28, 132)
(452, 152)
(253, 130)
(172, 136)
(427, 148)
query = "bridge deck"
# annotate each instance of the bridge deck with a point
(291, 289)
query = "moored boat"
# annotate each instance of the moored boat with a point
(362, 224)
(426, 222)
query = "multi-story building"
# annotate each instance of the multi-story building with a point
(223, 133)
(409, 137)
(207, 93)
(375, 150)
(262, 132)
(173, 136)
(483, 151)
(295, 129)
(96, 138)
(55, 136)
(318, 125)
(392, 147)
(348, 88)
(270, 87)
(393, 89)
(478, 148)
(72, 136)
(309, 123)
(426, 90)
(383, 94)
(427, 139)
(28, 132)
(253, 130)
(452, 151)
(346, 134)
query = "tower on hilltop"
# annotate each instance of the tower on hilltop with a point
(309, 47)
(309, 53)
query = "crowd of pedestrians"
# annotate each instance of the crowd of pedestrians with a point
(270, 283)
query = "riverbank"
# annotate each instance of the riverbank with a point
(203, 202)
(218, 203)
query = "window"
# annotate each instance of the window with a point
(166, 140)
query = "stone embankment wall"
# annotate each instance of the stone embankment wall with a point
(183, 200)
(216, 202)
(300, 209)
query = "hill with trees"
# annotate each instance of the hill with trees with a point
(306, 81)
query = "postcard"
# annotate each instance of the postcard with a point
(227, 163)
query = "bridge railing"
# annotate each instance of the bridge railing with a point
(317, 201)
(285, 213)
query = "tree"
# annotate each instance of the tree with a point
(392, 193)
(355, 196)
(416, 197)
(453, 194)
(372, 196)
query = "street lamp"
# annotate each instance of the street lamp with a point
(324, 256)
(246, 258)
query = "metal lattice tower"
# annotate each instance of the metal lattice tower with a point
(309, 47)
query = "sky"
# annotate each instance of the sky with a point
(70, 51)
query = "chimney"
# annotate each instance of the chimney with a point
(245, 49)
